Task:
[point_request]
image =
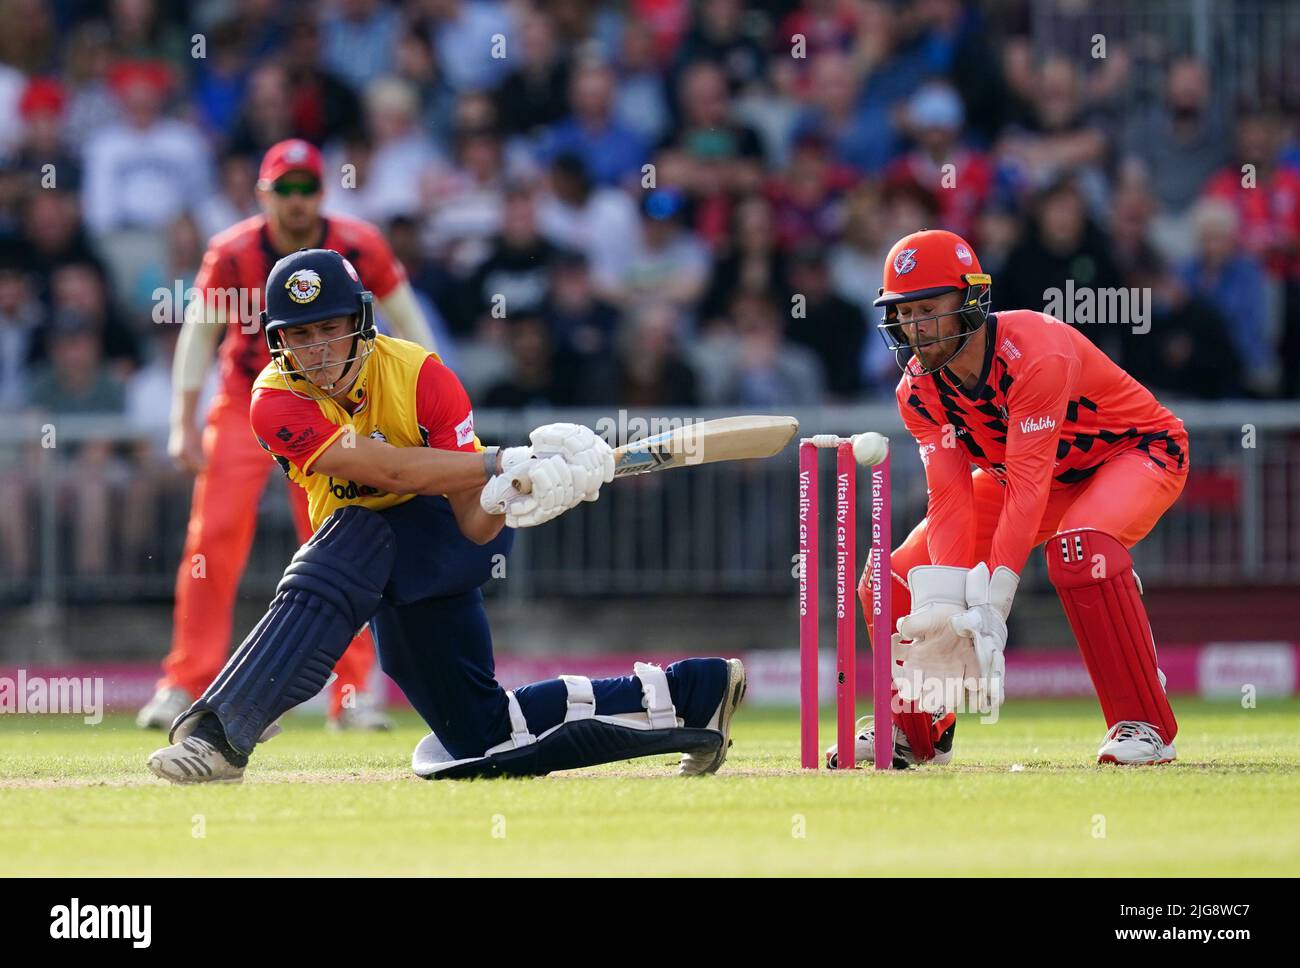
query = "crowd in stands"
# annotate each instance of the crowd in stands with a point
(682, 203)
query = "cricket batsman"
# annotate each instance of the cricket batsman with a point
(1029, 435)
(231, 468)
(411, 513)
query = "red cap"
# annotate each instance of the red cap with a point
(43, 95)
(286, 156)
(124, 75)
(929, 263)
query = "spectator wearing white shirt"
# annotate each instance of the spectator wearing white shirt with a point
(402, 153)
(143, 171)
(601, 223)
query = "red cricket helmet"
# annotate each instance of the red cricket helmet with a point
(926, 264)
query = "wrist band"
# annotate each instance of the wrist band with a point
(490, 461)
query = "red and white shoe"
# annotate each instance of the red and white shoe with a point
(1131, 743)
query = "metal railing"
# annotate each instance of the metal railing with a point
(720, 529)
(1247, 45)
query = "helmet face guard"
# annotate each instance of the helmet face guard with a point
(973, 314)
(298, 378)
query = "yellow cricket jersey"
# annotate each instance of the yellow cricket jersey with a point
(405, 396)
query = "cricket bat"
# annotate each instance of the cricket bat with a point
(702, 442)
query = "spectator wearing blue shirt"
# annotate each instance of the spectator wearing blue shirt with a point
(613, 154)
(1225, 274)
(360, 40)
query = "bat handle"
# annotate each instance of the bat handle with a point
(521, 481)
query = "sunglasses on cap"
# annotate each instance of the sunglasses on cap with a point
(285, 187)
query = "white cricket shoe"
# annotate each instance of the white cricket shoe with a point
(864, 747)
(700, 764)
(1131, 743)
(194, 760)
(161, 711)
(364, 714)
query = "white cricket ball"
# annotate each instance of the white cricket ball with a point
(870, 449)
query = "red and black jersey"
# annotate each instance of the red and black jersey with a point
(1049, 409)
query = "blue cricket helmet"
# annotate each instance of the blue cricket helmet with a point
(309, 286)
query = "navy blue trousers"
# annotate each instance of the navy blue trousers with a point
(432, 637)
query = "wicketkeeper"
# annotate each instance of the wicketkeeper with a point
(411, 513)
(1030, 435)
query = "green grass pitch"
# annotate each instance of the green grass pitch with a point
(1022, 796)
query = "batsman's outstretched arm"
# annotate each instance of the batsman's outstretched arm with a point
(401, 470)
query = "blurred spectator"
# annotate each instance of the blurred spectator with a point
(600, 222)
(774, 111)
(856, 266)
(668, 263)
(751, 263)
(76, 382)
(652, 372)
(1235, 283)
(359, 38)
(579, 319)
(29, 37)
(429, 281)
(1058, 138)
(641, 104)
(21, 316)
(221, 76)
(535, 93)
(817, 26)
(958, 177)
(145, 170)
(322, 105)
(514, 280)
(401, 152)
(1265, 195)
(1181, 141)
(860, 134)
(78, 291)
(467, 198)
(52, 228)
(830, 326)
(43, 106)
(612, 153)
(727, 156)
(1187, 352)
(464, 35)
(234, 198)
(718, 35)
(415, 63)
(140, 32)
(1065, 251)
(807, 197)
(180, 264)
(767, 370)
(86, 63)
(266, 117)
(543, 374)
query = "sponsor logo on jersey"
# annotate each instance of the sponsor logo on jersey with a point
(465, 430)
(1009, 348)
(905, 261)
(303, 285)
(1031, 424)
